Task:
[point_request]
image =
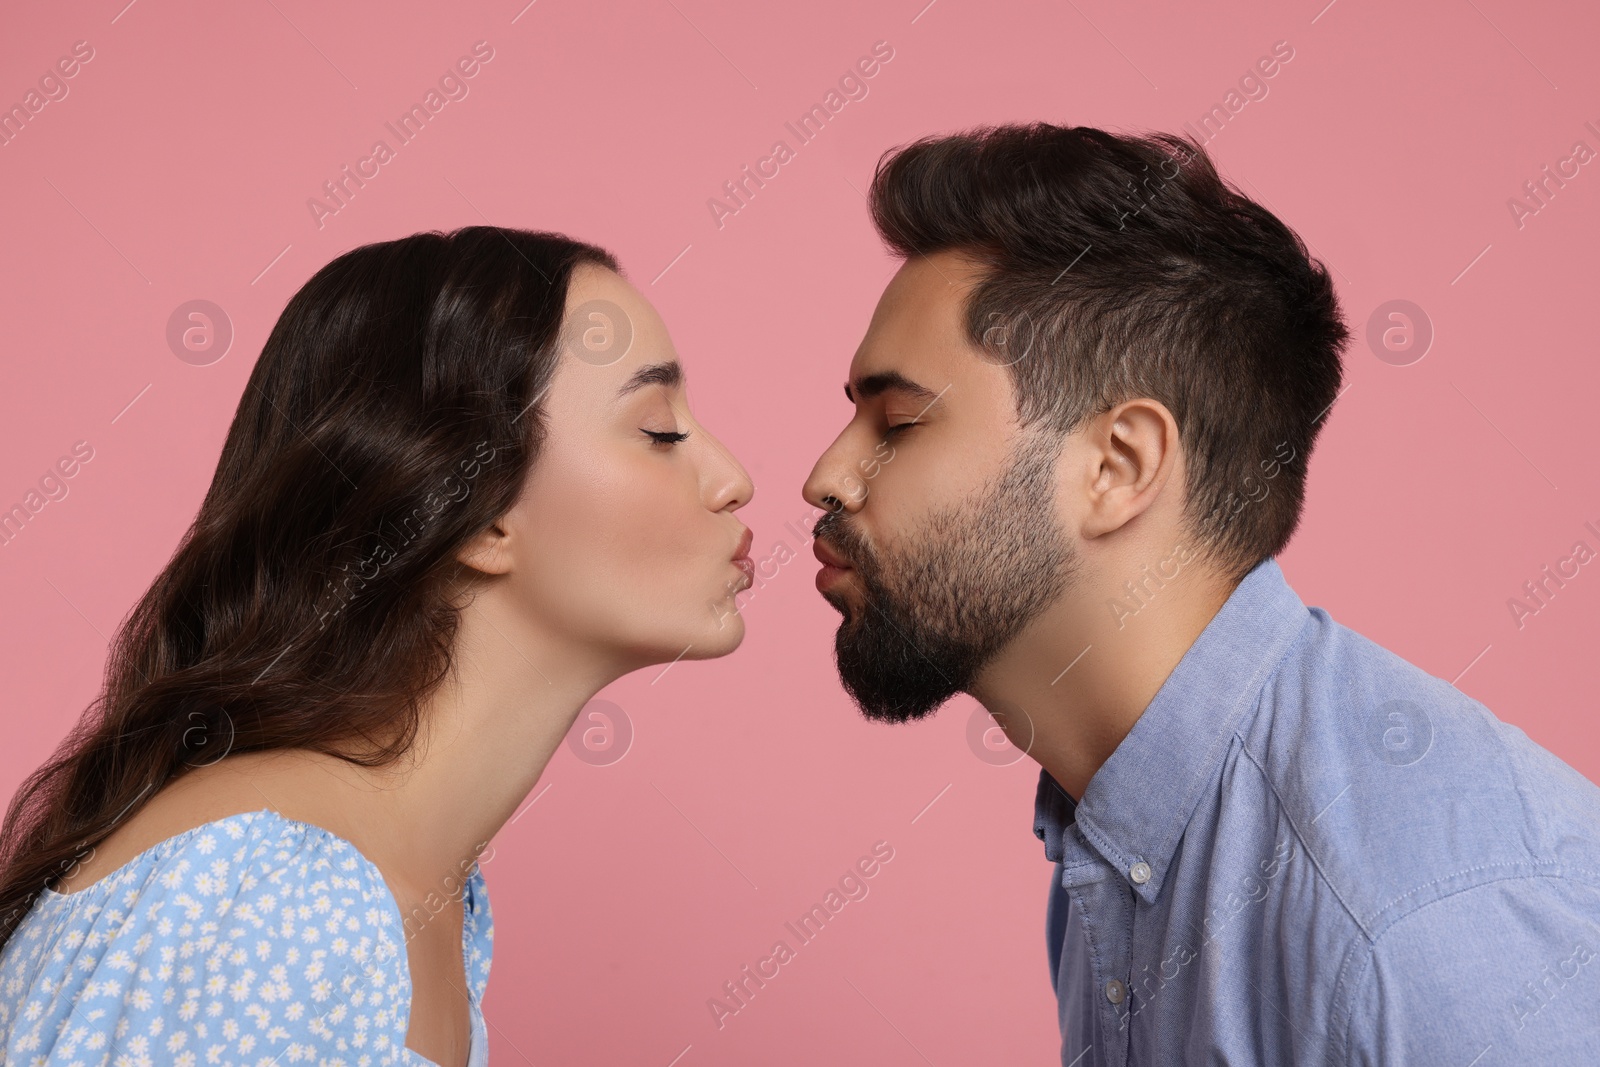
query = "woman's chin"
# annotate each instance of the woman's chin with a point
(717, 638)
(711, 643)
(720, 640)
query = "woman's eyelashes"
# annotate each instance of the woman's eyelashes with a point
(666, 437)
(891, 431)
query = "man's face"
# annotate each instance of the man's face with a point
(942, 507)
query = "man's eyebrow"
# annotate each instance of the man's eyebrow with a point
(882, 382)
(669, 374)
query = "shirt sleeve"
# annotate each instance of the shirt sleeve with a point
(1504, 972)
(226, 951)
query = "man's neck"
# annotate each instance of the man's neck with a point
(1069, 688)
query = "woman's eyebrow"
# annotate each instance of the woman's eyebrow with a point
(669, 374)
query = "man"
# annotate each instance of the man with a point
(1083, 412)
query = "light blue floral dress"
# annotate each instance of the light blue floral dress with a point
(253, 939)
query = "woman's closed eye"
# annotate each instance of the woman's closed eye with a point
(666, 437)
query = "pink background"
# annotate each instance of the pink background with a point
(178, 168)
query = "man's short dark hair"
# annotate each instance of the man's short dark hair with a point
(1124, 266)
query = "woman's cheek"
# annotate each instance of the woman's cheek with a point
(630, 534)
(658, 533)
(670, 547)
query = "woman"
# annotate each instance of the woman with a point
(463, 492)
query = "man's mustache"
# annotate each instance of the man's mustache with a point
(841, 540)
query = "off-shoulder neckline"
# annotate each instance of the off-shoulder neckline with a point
(168, 844)
(161, 847)
(471, 928)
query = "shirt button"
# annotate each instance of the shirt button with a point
(1116, 991)
(1139, 872)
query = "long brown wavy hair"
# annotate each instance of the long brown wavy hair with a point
(394, 413)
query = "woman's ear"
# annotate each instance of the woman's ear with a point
(488, 552)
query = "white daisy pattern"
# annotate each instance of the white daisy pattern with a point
(250, 941)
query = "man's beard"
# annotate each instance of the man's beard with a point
(934, 612)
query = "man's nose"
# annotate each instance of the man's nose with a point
(835, 483)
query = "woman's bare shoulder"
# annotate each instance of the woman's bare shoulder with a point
(240, 783)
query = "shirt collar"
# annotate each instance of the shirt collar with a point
(1134, 810)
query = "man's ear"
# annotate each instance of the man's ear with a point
(489, 551)
(1133, 450)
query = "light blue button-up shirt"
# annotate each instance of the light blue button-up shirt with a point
(1309, 851)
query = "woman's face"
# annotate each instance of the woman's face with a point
(624, 538)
